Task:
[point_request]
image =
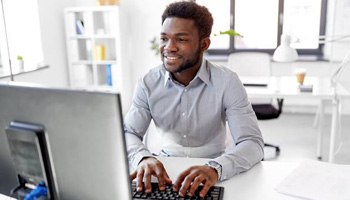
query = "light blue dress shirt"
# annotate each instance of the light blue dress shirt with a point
(192, 119)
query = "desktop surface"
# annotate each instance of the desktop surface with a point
(287, 86)
(255, 184)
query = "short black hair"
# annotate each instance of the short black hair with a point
(191, 10)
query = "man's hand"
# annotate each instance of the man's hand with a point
(146, 168)
(190, 179)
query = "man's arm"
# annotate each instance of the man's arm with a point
(136, 123)
(244, 130)
(142, 162)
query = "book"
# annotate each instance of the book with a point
(80, 27)
(306, 88)
(109, 74)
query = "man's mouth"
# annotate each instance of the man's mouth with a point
(171, 58)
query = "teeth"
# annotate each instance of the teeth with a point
(171, 58)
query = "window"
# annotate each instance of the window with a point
(23, 38)
(262, 22)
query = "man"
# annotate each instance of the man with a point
(190, 99)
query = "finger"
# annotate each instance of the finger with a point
(205, 188)
(180, 179)
(148, 186)
(194, 186)
(162, 176)
(186, 184)
(140, 180)
(167, 178)
(133, 175)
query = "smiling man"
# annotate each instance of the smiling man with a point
(190, 100)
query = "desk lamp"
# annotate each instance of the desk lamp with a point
(284, 52)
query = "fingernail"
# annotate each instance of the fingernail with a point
(139, 189)
(182, 195)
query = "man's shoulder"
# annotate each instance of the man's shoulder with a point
(220, 71)
(154, 74)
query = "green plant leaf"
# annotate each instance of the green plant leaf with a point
(155, 45)
(229, 32)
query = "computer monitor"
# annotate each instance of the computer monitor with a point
(85, 139)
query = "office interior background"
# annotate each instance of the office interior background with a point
(140, 22)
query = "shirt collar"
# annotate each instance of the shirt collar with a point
(203, 74)
(167, 77)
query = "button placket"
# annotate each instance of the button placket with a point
(184, 116)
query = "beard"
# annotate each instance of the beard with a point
(189, 63)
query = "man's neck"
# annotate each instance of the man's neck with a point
(185, 77)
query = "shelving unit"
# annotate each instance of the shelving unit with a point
(93, 46)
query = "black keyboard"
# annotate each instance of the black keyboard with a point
(214, 193)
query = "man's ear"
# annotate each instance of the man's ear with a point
(205, 43)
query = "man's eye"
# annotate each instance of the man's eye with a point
(183, 39)
(163, 39)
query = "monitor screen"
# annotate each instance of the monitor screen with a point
(84, 135)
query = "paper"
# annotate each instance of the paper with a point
(317, 181)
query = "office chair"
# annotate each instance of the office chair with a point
(257, 64)
(267, 112)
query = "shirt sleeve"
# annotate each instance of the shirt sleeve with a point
(136, 123)
(244, 129)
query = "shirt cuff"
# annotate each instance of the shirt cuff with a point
(139, 156)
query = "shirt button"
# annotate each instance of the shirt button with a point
(183, 114)
(185, 136)
(185, 90)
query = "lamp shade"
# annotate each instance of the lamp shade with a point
(284, 52)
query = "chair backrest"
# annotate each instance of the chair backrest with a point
(250, 63)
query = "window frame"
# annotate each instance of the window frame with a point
(315, 52)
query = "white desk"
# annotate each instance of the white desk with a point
(3, 197)
(256, 184)
(287, 87)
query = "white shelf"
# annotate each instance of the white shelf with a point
(100, 36)
(94, 62)
(93, 46)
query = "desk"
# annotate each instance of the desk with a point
(3, 197)
(256, 184)
(287, 87)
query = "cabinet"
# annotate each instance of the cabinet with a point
(93, 46)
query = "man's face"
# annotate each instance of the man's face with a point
(179, 44)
